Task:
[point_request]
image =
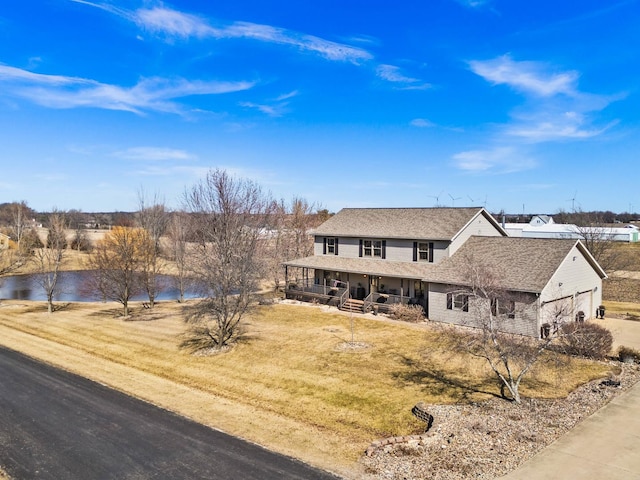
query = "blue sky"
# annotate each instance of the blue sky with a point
(349, 103)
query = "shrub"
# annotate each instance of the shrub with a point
(407, 313)
(81, 242)
(30, 241)
(588, 340)
(628, 355)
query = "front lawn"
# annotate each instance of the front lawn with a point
(296, 384)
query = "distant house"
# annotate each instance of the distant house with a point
(541, 220)
(372, 258)
(4, 241)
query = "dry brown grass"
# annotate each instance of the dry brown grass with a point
(289, 386)
(626, 310)
(618, 289)
(628, 256)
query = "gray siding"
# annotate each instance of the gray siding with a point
(575, 280)
(397, 250)
(524, 322)
(479, 226)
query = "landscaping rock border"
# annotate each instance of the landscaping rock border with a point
(489, 439)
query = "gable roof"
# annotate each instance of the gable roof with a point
(520, 264)
(544, 218)
(408, 223)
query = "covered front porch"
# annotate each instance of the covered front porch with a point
(354, 291)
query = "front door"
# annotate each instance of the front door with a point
(374, 284)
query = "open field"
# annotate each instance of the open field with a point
(620, 289)
(627, 256)
(294, 385)
(623, 310)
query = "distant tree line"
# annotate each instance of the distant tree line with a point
(228, 236)
(576, 217)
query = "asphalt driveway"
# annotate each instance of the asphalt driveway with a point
(57, 425)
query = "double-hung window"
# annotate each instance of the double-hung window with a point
(458, 301)
(423, 252)
(373, 248)
(503, 307)
(330, 246)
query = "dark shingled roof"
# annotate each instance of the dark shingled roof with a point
(411, 223)
(520, 264)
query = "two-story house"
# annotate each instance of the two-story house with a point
(375, 257)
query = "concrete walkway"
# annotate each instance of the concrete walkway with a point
(603, 446)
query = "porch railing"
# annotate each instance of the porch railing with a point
(326, 290)
(344, 297)
(386, 299)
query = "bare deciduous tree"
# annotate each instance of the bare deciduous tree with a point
(277, 243)
(50, 257)
(493, 308)
(302, 221)
(19, 221)
(598, 240)
(116, 261)
(290, 233)
(179, 232)
(231, 215)
(153, 218)
(10, 261)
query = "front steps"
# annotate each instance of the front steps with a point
(353, 305)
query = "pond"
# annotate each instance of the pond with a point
(74, 287)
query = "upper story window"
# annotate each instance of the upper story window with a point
(330, 246)
(423, 252)
(373, 248)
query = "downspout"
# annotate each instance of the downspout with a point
(538, 314)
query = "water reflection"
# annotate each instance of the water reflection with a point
(74, 287)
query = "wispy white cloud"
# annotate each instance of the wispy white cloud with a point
(493, 160)
(152, 154)
(266, 33)
(554, 108)
(274, 108)
(393, 74)
(173, 24)
(546, 127)
(528, 77)
(271, 110)
(149, 94)
(287, 96)
(421, 123)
